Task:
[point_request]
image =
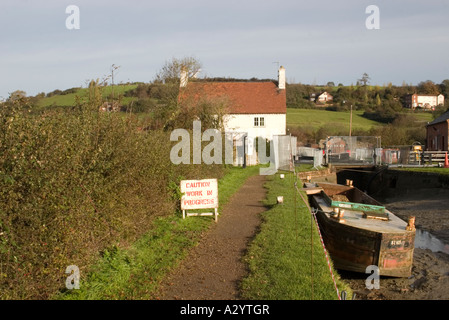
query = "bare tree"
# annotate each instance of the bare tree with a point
(171, 70)
(17, 95)
(365, 79)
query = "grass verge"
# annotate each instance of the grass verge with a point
(437, 170)
(286, 259)
(134, 273)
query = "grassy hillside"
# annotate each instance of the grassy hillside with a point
(312, 125)
(422, 116)
(308, 124)
(69, 99)
(317, 118)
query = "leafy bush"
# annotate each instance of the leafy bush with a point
(69, 91)
(404, 130)
(298, 96)
(74, 183)
(54, 93)
(141, 106)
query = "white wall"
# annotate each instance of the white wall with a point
(431, 100)
(275, 124)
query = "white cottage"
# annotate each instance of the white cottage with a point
(257, 108)
(324, 97)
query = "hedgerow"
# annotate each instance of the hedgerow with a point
(74, 183)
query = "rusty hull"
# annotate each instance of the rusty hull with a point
(357, 242)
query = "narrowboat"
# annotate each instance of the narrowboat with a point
(359, 232)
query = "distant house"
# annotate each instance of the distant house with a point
(322, 97)
(437, 133)
(424, 101)
(257, 108)
(111, 107)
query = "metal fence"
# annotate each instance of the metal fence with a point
(284, 152)
(309, 155)
(353, 150)
(407, 156)
(250, 151)
(366, 150)
(285, 149)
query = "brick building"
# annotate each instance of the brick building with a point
(438, 133)
(424, 101)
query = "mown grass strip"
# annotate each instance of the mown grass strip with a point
(286, 259)
(135, 273)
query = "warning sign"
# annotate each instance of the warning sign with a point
(199, 194)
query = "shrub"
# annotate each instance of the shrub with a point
(74, 183)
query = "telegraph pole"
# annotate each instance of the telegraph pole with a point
(350, 122)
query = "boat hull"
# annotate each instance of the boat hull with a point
(355, 248)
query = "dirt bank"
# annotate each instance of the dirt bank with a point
(430, 271)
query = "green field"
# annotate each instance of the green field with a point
(317, 118)
(65, 100)
(422, 116)
(308, 118)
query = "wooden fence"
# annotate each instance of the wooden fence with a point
(426, 157)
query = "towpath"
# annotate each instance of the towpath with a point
(214, 268)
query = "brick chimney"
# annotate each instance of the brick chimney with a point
(281, 78)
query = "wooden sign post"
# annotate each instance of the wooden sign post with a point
(199, 194)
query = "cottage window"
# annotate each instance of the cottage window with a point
(259, 121)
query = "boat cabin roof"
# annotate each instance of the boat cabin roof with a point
(356, 218)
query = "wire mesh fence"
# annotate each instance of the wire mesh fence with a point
(353, 150)
(285, 149)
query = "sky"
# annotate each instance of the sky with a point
(316, 41)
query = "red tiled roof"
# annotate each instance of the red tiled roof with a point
(244, 97)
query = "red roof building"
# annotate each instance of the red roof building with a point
(244, 97)
(257, 108)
